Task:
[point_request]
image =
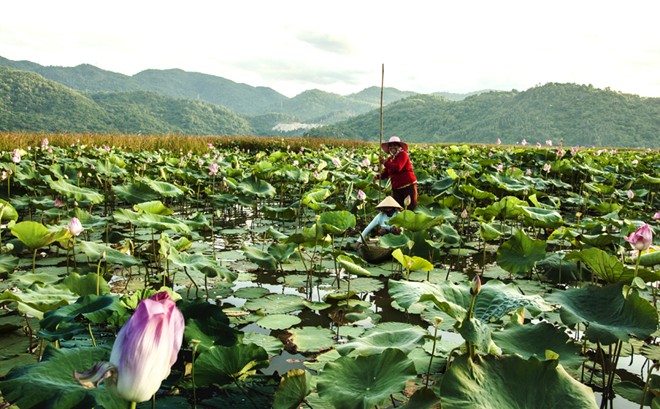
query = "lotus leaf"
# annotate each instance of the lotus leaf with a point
(609, 315)
(278, 321)
(52, 378)
(520, 253)
(36, 235)
(376, 340)
(254, 186)
(312, 339)
(78, 193)
(533, 340)
(511, 382)
(220, 365)
(365, 381)
(293, 389)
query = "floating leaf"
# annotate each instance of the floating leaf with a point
(608, 314)
(365, 381)
(495, 383)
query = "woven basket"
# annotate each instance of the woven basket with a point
(374, 254)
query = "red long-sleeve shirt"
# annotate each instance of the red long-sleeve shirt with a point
(399, 169)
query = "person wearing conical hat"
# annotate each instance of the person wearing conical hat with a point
(388, 208)
(398, 168)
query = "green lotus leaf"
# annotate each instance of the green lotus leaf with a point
(276, 304)
(37, 299)
(7, 211)
(450, 297)
(220, 365)
(488, 232)
(477, 333)
(546, 218)
(534, 340)
(409, 220)
(314, 199)
(606, 266)
(292, 390)
(86, 284)
(153, 207)
(609, 315)
(134, 193)
(351, 267)
(281, 251)
(423, 398)
(256, 187)
(206, 323)
(162, 188)
(162, 223)
(496, 299)
(249, 293)
(126, 216)
(53, 379)
(376, 340)
(365, 381)
(520, 253)
(478, 194)
(508, 183)
(337, 222)
(260, 258)
(278, 321)
(271, 344)
(448, 235)
(204, 264)
(36, 235)
(511, 382)
(650, 257)
(312, 339)
(8, 263)
(393, 241)
(59, 323)
(650, 179)
(80, 194)
(413, 263)
(96, 251)
(559, 269)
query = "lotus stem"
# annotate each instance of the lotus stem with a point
(91, 334)
(195, 343)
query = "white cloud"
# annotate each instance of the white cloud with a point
(295, 45)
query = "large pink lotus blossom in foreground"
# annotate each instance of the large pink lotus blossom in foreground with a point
(143, 353)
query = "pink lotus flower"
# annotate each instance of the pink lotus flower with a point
(143, 353)
(547, 167)
(336, 162)
(16, 156)
(642, 238)
(75, 227)
(523, 142)
(656, 216)
(213, 169)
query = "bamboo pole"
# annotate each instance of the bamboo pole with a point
(380, 141)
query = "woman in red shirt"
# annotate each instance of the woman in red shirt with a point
(398, 168)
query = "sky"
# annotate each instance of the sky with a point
(343, 47)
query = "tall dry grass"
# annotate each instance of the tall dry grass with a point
(196, 144)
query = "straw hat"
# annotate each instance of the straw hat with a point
(389, 202)
(393, 139)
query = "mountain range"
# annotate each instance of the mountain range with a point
(85, 98)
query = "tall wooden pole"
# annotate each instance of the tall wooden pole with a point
(380, 141)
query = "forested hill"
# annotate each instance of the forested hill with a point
(575, 114)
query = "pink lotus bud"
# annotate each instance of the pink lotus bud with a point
(641, 239)
(144, 351)
(361, 195)
(75, 227)
(407, 201)
(336, 162)
(656, 216)
(630, 194)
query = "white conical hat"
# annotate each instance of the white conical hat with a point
(389, 202)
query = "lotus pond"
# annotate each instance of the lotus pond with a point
(520, 280)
